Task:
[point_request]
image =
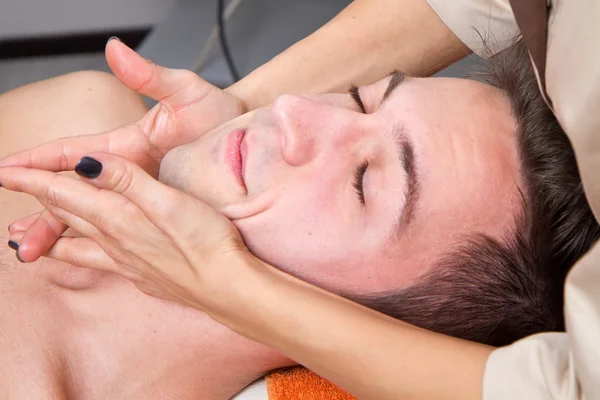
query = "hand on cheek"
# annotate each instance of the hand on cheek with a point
(168, 243)
(188, 108)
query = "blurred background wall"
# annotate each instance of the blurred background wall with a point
(34, 18)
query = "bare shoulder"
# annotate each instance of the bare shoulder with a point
(79, 103)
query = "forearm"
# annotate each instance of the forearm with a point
(361, 45)
(366, 353)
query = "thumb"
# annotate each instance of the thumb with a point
(175, 87)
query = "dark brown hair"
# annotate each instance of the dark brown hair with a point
(496, 291)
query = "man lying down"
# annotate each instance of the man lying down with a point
(448, 203)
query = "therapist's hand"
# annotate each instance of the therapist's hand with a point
(169, 244)
(188, 107)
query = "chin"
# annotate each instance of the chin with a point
(166, 171)
(175, 171)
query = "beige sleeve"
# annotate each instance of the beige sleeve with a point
(565, 366)
(485, 26)
(555, 365)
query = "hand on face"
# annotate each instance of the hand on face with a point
(169, 244)
(351, 198)
(188, 107)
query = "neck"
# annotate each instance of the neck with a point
(159, 349)
(216, 365)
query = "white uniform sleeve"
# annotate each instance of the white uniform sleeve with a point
(485, 26)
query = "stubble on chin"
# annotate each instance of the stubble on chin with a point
(172, 169)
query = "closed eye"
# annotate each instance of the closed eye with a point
(359, 176)
(356, 97)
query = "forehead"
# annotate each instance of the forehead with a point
(464, 136)
(454, 94)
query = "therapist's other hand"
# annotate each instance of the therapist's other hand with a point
(188, 107)
(169, 244)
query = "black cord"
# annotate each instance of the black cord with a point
(224, 46)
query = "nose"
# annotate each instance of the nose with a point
(308, 127)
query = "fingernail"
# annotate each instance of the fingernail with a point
(89, 168)
(114, 38)
(15, 246)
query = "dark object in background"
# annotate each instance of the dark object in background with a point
(76, 43)
(235, 76)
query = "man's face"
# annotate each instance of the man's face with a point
(355, 201)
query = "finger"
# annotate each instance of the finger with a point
(105, 216)
(40, 236)
(133, 202)
(23, 224)
(16, 237)
(13, 243)
(85, 253)
(158, 202)
(72, 202)
(63, 154)
(82, 252)
(30, 251)
(164, 207)
(174, 87)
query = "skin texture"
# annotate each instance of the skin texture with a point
(113, 324)
(34, 306)
(111, 293)
(46, 307)
(299, 164)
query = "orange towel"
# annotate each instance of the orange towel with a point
(302, 384)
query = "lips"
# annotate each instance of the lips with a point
(235, 152)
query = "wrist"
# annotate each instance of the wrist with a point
(235, 289)
(246, 90)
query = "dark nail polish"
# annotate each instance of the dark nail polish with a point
(0, 184)
(114, 38)
(89, 168)
(15, 246)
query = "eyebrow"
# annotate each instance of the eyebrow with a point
(396, 78)
(406, 154)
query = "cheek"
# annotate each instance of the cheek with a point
(304, 233)
(312, 238)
